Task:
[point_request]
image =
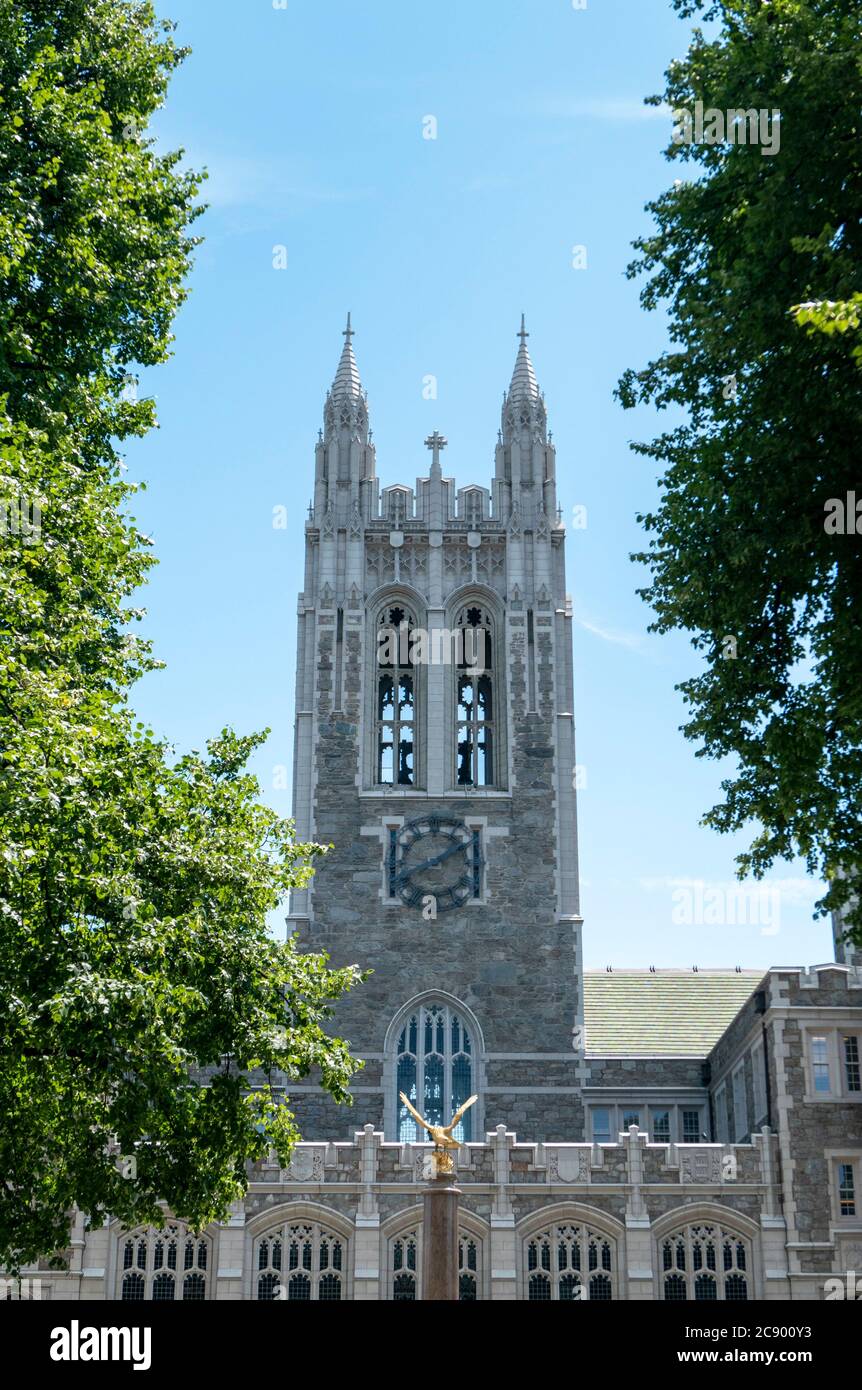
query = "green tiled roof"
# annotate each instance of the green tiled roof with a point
(672, 1013)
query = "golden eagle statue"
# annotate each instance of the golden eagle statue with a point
(444, 1144)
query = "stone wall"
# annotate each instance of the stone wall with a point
(640, 1072)
(812, 1129)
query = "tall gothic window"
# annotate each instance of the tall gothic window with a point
(396, 699)
(302, 1262)
(163, 1266)
(405, 1267)
(435, 1070)
(705, 1263)
(569, 1263)
(475, 694)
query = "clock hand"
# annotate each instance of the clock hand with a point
(453, 849)
(429, 863)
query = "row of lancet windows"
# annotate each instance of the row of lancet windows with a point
(469, 659)
(405, 1265)
(304, 1261)
(706, 1263)
(164, 1266)
(569, 1263)
(301, 1263)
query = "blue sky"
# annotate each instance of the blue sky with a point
(310, 121)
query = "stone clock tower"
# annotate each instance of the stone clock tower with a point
(435, 752)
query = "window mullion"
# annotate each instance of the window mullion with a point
(420, 1069)
(475, 740)
(447, 1066)
(476, 730)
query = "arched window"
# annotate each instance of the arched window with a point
(395, 694)
(405, 1267)
(704, 1263)
(302, 1262)
(570, 1263)
(434, 1070)
(468, 1267)
(405, 1262)
(475, 699)
(164, 1266)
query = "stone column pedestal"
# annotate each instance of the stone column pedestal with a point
(440, 1240)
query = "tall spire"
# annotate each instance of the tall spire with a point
(347, 382)
(523, 414)
(524, 385)
(346, 407)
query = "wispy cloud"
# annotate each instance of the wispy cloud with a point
(240, 182)
(632, 640)
(695, 902)
(803, 892)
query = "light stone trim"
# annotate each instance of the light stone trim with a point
(406, 794)
(567, 1164)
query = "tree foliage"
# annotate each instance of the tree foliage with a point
(757, 259)
(145, 1010)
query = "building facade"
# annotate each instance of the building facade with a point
(638, 1134)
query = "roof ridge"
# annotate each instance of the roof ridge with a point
(682, 970)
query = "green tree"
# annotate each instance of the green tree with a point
(757, 258)
(145, 1010)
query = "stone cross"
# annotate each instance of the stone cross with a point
(435, 442)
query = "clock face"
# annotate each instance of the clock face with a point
(436, 858)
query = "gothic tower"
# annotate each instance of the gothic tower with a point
(435, 752)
